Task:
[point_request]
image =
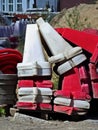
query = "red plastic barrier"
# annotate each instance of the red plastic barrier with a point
(72, 82)
(44, 83)
(8, 60)
(80, 38)
(93, 72)
(34, 106)
(69, 110)
(25, 83)
(95, 89)
(93, 66)
(75, 86)
(91, 31)
(94, 58)
(63, 109)
(33, 83)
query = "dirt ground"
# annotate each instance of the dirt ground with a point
(23, 123)
(29, 120)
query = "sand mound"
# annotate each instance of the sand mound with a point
(84, 15)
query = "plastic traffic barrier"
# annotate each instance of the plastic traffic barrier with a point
(34, 63)
(61, 50)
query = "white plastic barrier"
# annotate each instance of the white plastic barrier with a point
(70, 102)
(35, 90)
(33, 63)
(59, 48)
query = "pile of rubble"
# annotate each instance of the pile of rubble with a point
(74, 56)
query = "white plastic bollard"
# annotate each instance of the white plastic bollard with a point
(33, 63)
(60, 49)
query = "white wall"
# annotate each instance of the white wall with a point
(24, 5)
(40, 4)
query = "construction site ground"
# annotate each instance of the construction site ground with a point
(24, 122)
(30, 120)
